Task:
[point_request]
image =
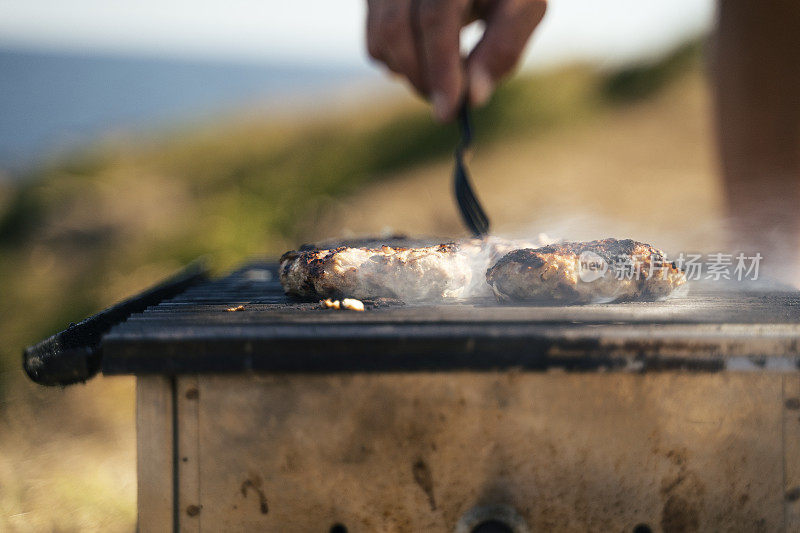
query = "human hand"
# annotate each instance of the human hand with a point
(420, 40)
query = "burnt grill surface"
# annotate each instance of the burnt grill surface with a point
(710, 330)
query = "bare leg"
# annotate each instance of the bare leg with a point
(757, 75)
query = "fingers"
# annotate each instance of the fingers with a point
(437, 26)
(374, 47)
(509, 25)
(419, 39)
(398, 38)
(390, 39)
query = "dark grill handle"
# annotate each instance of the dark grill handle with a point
(75, 354)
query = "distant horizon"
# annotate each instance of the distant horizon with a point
(111, 86)
(58, 101)
(37, 48)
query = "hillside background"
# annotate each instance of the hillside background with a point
(575, 152)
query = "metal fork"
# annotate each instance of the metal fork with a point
(472, 213)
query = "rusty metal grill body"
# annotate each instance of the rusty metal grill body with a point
(679, 415)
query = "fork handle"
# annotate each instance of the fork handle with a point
(465, 126)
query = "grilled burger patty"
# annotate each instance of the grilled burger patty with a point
(414, 271)
(582, 272)
(410, 274)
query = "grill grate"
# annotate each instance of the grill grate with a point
(195, 332)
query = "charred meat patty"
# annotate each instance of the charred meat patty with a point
(410, 274)
(582, 272)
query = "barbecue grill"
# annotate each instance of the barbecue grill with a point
(255, 412)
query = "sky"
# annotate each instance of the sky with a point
(324, 31)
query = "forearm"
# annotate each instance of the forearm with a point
(757, 82)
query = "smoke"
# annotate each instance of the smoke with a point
(706, 235)
(483, 253)
(436, 277)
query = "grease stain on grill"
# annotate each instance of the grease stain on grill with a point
(679, 515)
(381, 303)
(424, 478)
(255, 483)
(793, 494)
(792, 403)
(193, 510)
(683, 492)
